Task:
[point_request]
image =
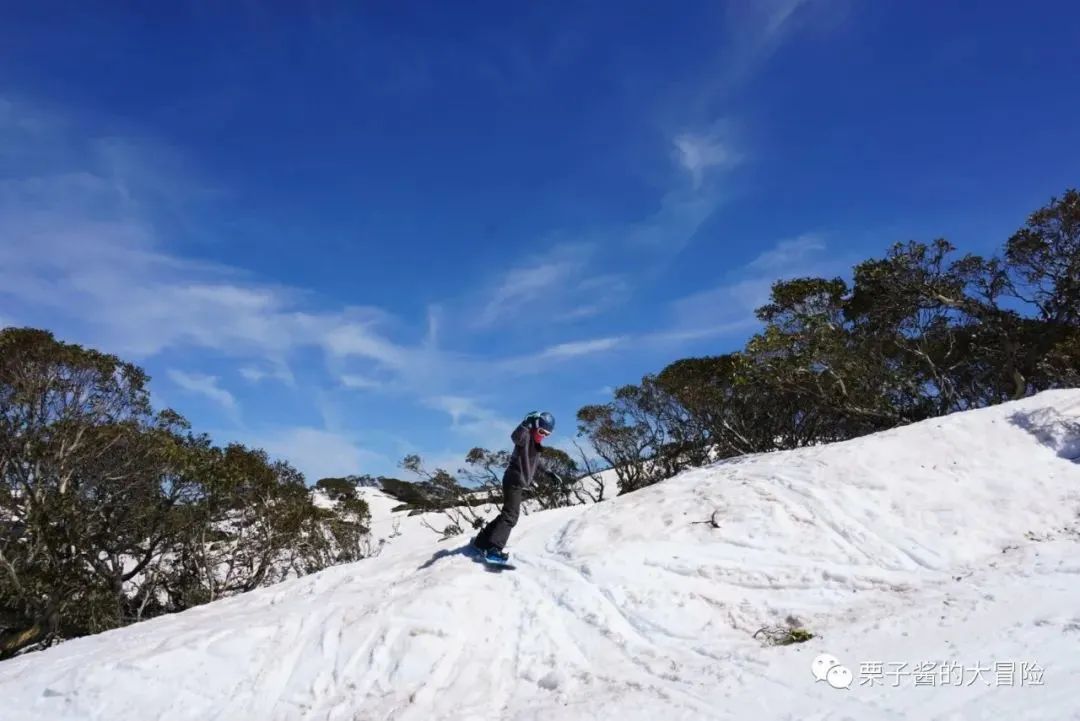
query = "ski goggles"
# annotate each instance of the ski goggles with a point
(544, 432)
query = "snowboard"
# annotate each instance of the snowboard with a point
(489, 563)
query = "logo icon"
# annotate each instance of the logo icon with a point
(828, 668)
(839, 677)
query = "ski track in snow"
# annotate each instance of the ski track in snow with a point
(889, 547)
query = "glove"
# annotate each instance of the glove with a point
(532, 421)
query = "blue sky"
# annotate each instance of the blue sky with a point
(347, 235)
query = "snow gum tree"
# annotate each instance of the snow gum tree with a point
(111, 512)
(918, 333)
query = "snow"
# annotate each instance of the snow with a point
(402, 527)
(950, 541)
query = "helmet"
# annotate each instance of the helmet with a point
(541, 422)
(547, 422)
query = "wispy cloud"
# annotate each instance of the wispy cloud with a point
(705, 150)
(721, 304)
(359, 382)
(581, 348)
(679, 217)
(204, 385)
(533, 283)
(278, 372)
(722, 310)
(704, 326)
(81, 258)
(788, 255)
(473, 421)
(434, 323)
(763, 23)
(700, 111)
(362, 339)
(560, 285)
(140, 302)
(706, 144)
(112, 284)
(729, 306)
(457, 407)
(701, 153)
(754, 31)
(595, 295)
(708, 157)
(82, 254)
(575, 280)
(317, 452)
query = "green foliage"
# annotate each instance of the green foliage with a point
(484, 468)
(556, 480)
(798, 635)
(111, 513)
(337, 488)
(1044, 257)
(442, 491)
(783, 635)
(626, 435)
(411, 495)
(86, 486)
(916, 334)
(340, 535)
(465, 499)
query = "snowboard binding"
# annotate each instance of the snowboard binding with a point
(491, 557)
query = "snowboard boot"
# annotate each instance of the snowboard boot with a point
(496, 555)
(475, 545)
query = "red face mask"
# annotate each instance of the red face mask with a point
(539, 435)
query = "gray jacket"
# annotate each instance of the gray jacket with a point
(524, 460)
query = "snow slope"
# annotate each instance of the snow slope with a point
(403, 528)
(953, 540)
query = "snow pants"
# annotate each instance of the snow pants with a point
(497, 533)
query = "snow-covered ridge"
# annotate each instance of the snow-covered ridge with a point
(954, 539)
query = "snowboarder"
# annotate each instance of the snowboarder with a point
(524, 461)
